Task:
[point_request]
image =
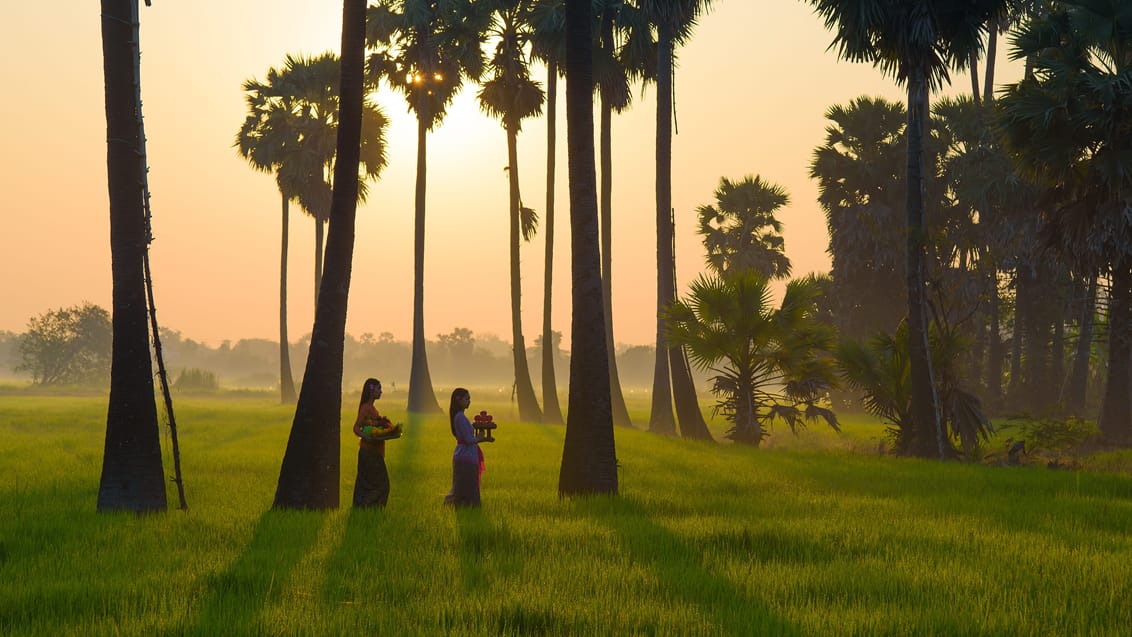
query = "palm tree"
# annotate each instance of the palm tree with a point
(290, 130)
(132, 475)
(310, 475)
(674, 21)
(768, 362)
(548, 43)
(511, 95)
(1070, 124)
(915, 41)
(589, 455)
(860, 175)
(742, 233)
(424, 49)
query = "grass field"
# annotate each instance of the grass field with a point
(803, 538)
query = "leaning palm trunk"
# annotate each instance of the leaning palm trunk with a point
(692, 424)
(286, 382)
(589, 455)
(524, 390)
(310, 475)
(1115, 420)
(422, 398)
(929, 439)
(132, 474)
(661, 419)
(552, 413)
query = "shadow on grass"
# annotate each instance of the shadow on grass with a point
(680, 572)
(234, 597)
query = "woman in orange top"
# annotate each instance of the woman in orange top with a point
(372, 486)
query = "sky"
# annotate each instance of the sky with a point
(752, 87)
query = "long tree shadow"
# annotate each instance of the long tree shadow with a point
(235, 596)
(680, 570)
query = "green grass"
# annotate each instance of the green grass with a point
(803, 538)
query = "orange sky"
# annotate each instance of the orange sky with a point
(751, 89)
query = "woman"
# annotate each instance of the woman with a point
(467, 460)
(372, 486)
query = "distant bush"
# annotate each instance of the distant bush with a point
(68, 346)
(196, 380)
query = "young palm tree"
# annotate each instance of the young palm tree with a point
(741, 232)
(424, 49)
(548, 43)
(1070, 123)
(589, 455)
(310, 475)
(132, 475)
(768, 362)
(511, 95)
(915, 41)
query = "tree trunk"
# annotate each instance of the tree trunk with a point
(661, 418)
(620, 411)
(589, 456)
(992, 54)
(973, 60)
(525, 391)
(1079, 376)
(133, 478)
(1115, 420)
(688, 412)
(422, 398)
(310, 475)
(929, 439)
(286, 382)
(994, 346)
(318, 251)
(552, 413)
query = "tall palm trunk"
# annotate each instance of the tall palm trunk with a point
(661, 418)
(620, 411)
(319, 234)
(929, 439)
(589, 455)
(422, 398)
(992, 54)
(995, 354)
(310, 475)
(524, 390)
(286, 382)
(552, 413)
(1079, 376)
(1115, 420)
(688, 412)
(132, 474)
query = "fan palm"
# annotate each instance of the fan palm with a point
(741, 232)
(548, 44)
(915, 41)
(1070, 123)
(768, 363)
(512, 96)
(674, 21)
(424, 49)
(310, 474)
(589, 454)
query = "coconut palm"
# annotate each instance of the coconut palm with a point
(548, 44)
(1070, 123)
(512, 96)
(767, 362)
(310, 475)
(741, 232)
(589, 455)
(424, 49)
(674, 21)
(916, 42)
(132, 475)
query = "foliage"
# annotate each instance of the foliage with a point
(880, 369)
(193, 379)
(767, 363)
(741, 232)
(68, 345)
(1054, 438)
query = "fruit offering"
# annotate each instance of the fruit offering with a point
(483, 424)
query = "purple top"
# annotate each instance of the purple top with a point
(467, 448)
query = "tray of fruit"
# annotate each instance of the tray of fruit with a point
(383, 431)
(483, 424)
